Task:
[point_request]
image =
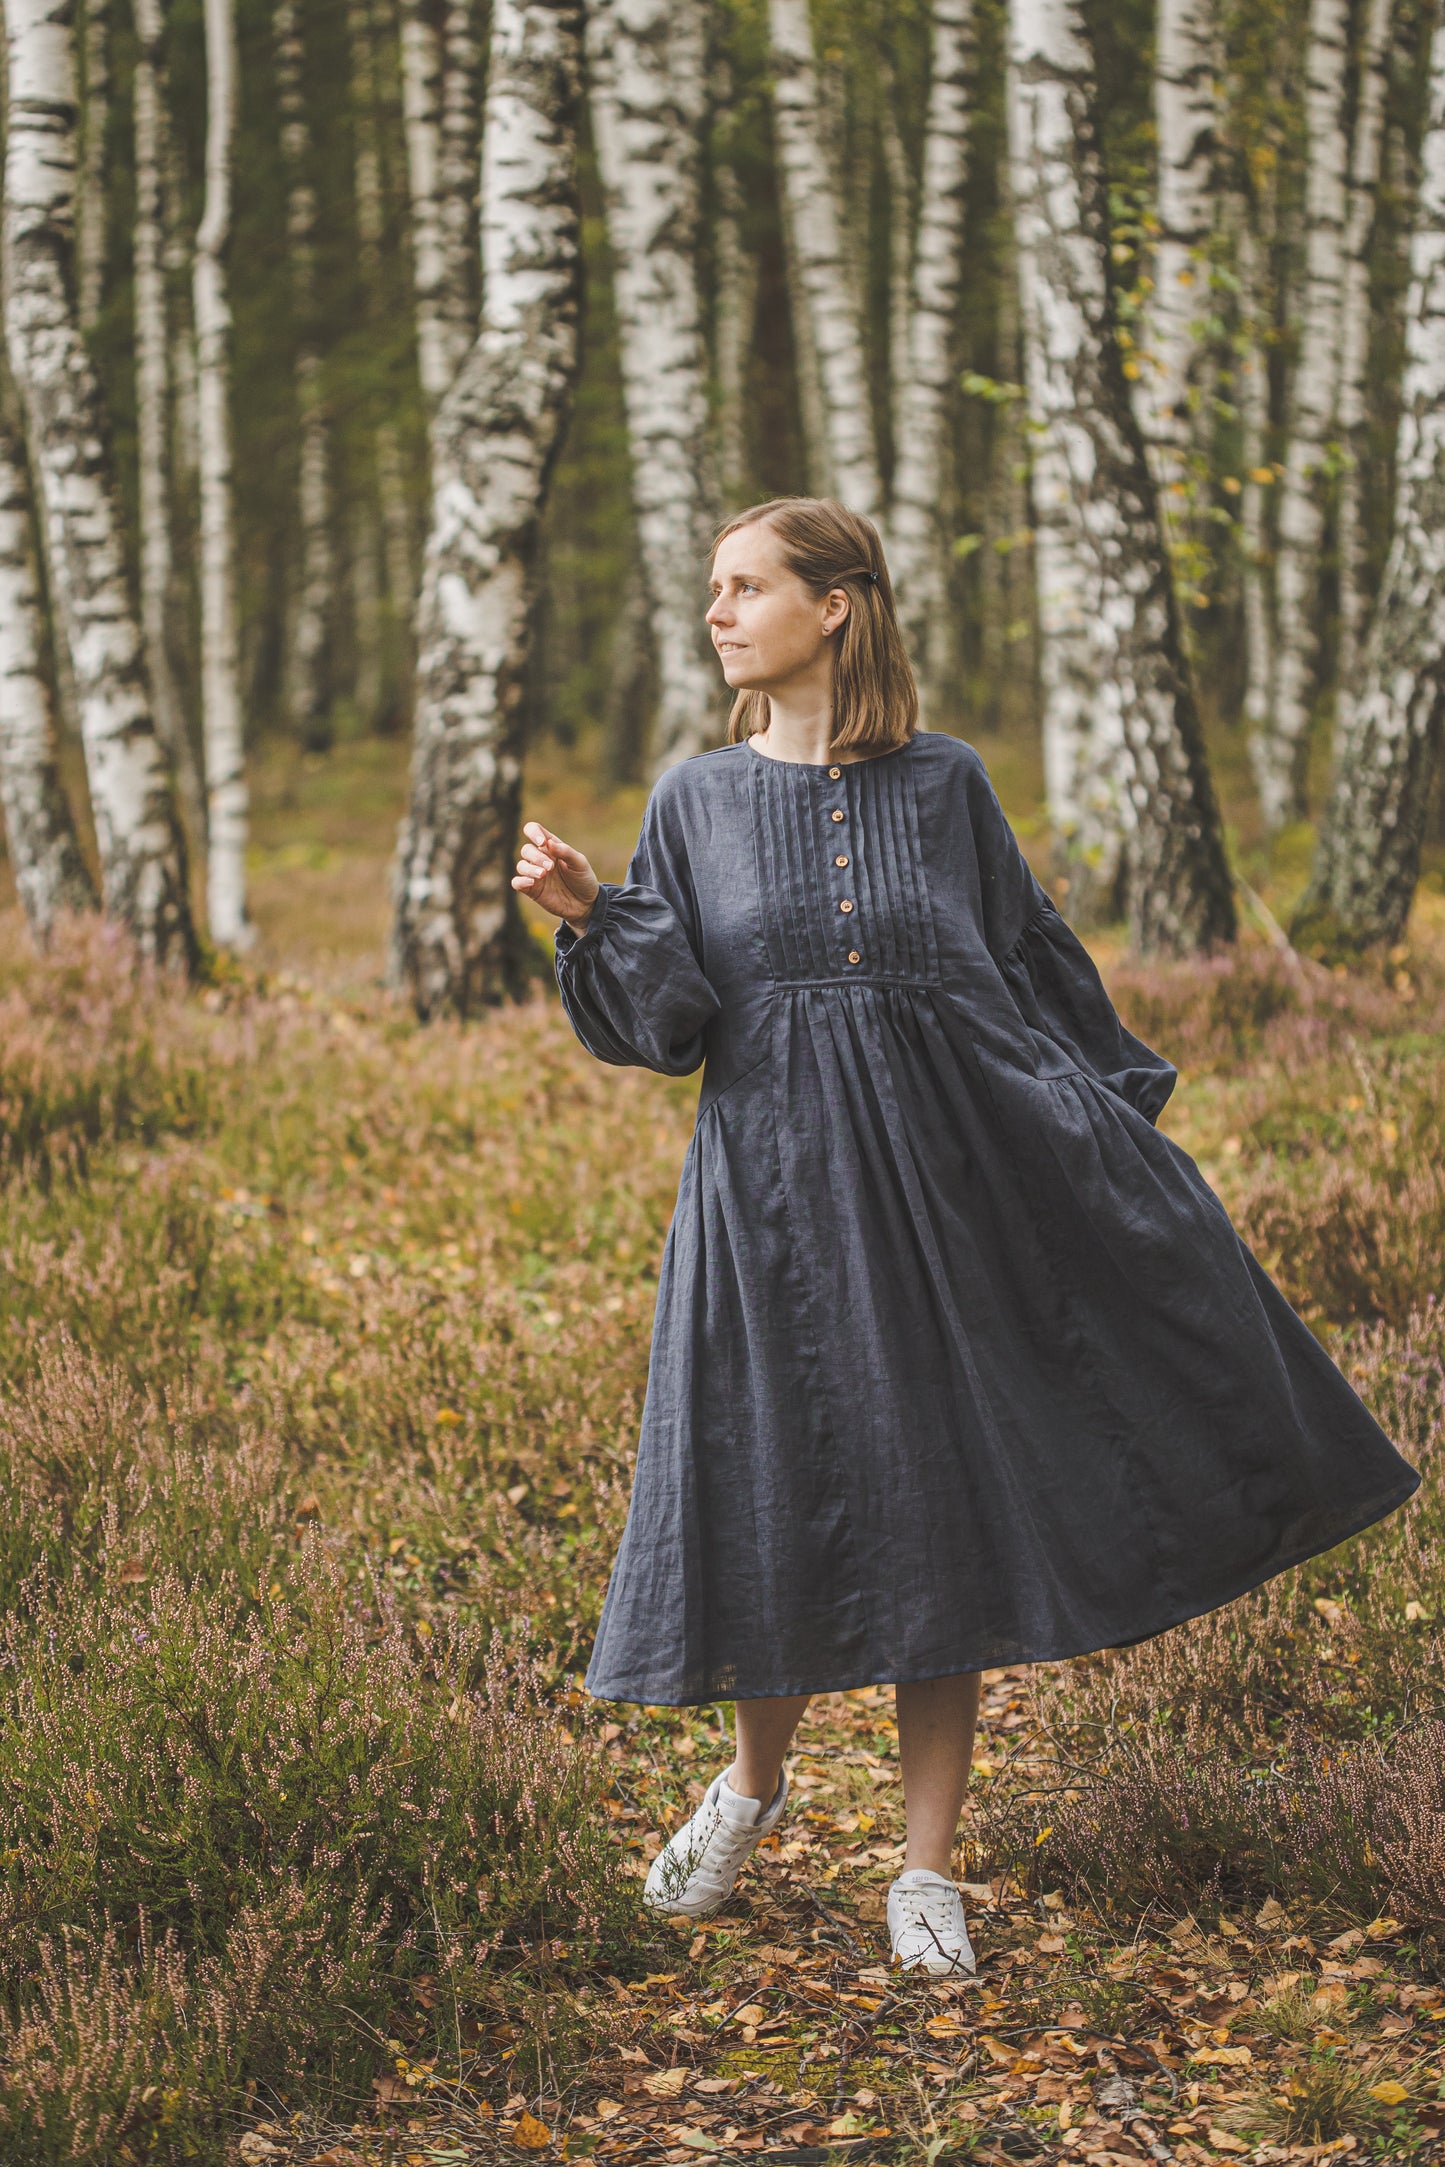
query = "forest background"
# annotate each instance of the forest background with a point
(325, 1327)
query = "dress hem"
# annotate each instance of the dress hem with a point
(852, 1682)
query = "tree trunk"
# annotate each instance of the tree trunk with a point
(1253, 402)
(819, 262)
(306, 676)
(1365, 156)
(152, 398)
(141, 852)
(921, 398)
(1186, 61)
(226, 798)
(460, 173)
(1128, 783)
(1388, 728)
(646, 66)
(458, 939)
(50, 874)
(1280, 751)
(733, 317)
(442, 335)
(91, 227)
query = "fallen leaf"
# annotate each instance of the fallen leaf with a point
(531, 2134)
(1224, 2057)
(609, 2109)
(1051, 1945)
(1224, 2140)
(1382, 1929)
(255, 2149)
(752, 2012)
(997, 2051)
(1270, 1913)
(665, 2083)
(1390, 2093)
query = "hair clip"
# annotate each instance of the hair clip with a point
(872, 578)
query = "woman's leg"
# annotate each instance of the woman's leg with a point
(764, 1730)
(936, 1720)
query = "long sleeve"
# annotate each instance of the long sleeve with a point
(632, 985)
(1054, 980)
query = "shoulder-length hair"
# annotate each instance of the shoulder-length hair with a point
(875, 700)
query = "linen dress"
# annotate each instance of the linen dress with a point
(957, 1361)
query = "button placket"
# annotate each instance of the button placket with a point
(842, 860)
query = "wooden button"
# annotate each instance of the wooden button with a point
(840, 861)
(853, 956)
(845, 905)
(835, 816)
(835, 772)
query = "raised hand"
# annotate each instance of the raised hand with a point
(555, 875)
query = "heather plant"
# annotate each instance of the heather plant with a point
(321, 1361)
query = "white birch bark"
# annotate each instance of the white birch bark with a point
(1365, 153)
(645, 70)
(1187, 61)
(921, 397)
(90, 235)
(222, 736)
(460, 172)
(152, 396)
(1128, 784)
(50, 874)
(307, 690)
(185, 419)
(1253, 400)
(141, 853)
(1388, 727)
(1279, 752)
(440, 349)
(458, 940)
(819, 262)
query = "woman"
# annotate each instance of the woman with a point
(957, 1361)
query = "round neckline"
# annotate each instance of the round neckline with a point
(826, 767)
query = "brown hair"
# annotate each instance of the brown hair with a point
(875, 700)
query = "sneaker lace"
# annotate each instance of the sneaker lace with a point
(918, 1916)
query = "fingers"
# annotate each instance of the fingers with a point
(546, 840)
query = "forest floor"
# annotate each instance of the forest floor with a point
(321, 1359)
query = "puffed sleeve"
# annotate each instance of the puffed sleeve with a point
(632, 984)
(1054, 980)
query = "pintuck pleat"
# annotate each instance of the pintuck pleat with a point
(957, 1360)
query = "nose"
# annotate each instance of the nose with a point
(719, 611)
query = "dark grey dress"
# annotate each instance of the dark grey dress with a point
(957, 1360)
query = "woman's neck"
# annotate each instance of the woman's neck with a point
(800, 727)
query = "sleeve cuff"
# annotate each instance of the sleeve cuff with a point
(567, 942)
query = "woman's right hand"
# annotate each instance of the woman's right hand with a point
(555, 875)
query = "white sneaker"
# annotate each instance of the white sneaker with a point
(693, 1874)
(925, 1920)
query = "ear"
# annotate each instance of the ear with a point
(836, 606)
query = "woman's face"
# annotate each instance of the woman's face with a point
(768, 628)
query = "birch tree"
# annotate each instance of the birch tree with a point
(91, 221)
(226, 797)
(458, 939)
(1365, 152)
(1128, 784)
(152, 398)
(924, 373)
(1279, 751)
(646, 64)
(306, 677)
(433, 101)
(50, 873)
(1388, 727)
(829, 316)
(1252, 379)
(141, 853)
(1186, 63)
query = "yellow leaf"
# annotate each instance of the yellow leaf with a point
(531, 2134)
(751, 2013)
(1382, 1929)
(1389, 2094)
(1042, 1836)
(447, 1418)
